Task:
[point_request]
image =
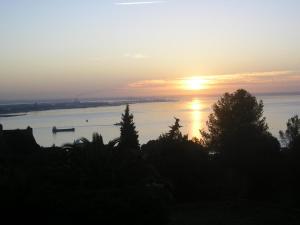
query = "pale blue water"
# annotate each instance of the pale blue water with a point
(151, 119)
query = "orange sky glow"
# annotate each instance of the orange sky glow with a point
(81, 49)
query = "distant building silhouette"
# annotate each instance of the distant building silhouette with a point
(17, 141)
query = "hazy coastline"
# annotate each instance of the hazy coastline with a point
(17, 109)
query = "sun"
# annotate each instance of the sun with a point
(194, 83)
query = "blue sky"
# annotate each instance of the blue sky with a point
(65, 48)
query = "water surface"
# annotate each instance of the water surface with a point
(151, 119)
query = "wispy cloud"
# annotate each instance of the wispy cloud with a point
(253, 77)
(148, 83)
(138, 3)
(257, 81)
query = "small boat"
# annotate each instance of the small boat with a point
(55, 130)
(118, 124)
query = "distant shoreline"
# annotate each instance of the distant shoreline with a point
(12, 115)
(133, 99)
(13, 110)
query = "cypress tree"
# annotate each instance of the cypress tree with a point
(129, 135)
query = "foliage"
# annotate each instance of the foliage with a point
(291, 137)
(129, 135)
(174, 133)
(291, 140)
(89, 182)
(97, 139)
(83, 182)
(237, 128)
(180, 162)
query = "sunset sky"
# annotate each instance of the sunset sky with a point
(111, 48)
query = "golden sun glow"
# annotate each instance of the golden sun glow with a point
(196, 117)
(194, 83)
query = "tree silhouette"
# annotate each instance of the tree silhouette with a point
(291, 136)
(129, 135)
(96, 143)
(180, 161)
(97, 140)
(237, 128)
(174, 133)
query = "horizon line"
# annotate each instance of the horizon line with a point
(6, 101)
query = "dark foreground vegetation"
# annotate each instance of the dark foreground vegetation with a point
(238, 173)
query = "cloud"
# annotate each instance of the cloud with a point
(148, 84)
(254, 77)
(138, 3)
(257, 81)
(153, 87)
(135, 56)
(157, 86)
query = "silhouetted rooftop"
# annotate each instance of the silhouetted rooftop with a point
(18, 141)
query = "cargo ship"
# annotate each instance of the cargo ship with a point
(56, 130)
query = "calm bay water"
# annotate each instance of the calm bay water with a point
(151, 119)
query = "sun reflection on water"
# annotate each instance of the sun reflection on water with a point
(196, 117)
